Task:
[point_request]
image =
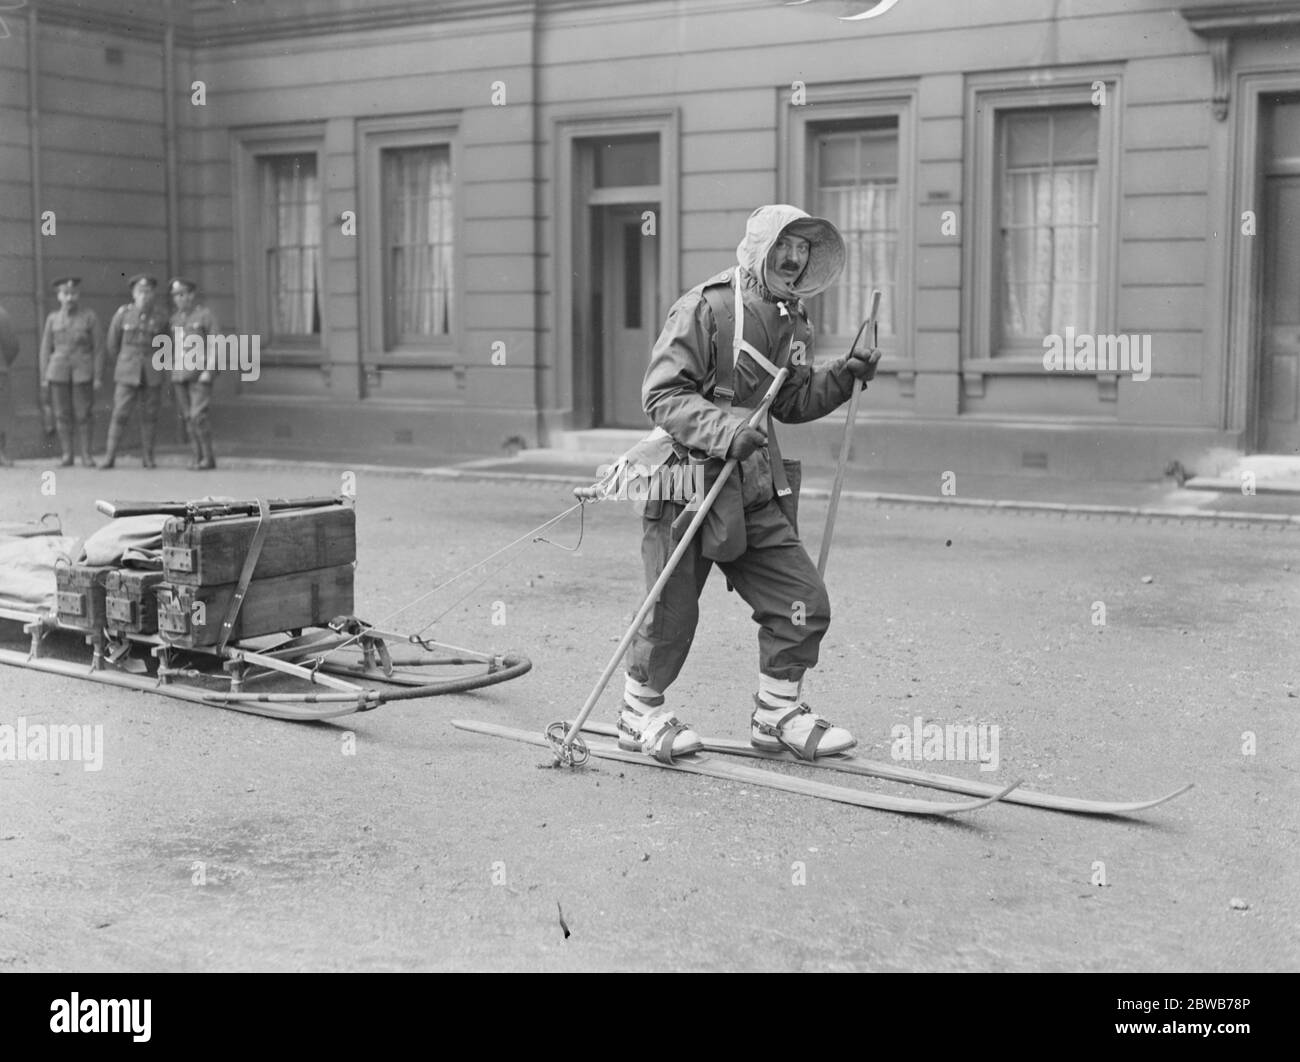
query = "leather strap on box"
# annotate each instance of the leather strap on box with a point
(246, 573)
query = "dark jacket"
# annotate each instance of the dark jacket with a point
(678, 386)
(71, 347)
(130, 343)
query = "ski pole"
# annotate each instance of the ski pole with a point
(825, 550)
(760, 413)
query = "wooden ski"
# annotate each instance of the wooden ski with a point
(712, 768)
(849, 764)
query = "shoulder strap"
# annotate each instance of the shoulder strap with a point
(724, 320)
(728, 318)
(729, 322)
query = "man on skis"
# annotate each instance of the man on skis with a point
(716, 357)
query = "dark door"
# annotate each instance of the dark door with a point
(630, 269)
(1279, 371)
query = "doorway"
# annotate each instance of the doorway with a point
(1279, 368)
(629, 308)
(615, 283)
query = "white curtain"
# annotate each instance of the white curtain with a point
(867, 217)
(294, 267)
(1049, 251)
(420, 235)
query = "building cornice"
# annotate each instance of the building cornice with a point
(1239, 19)
(142, 22)
(1219, 23)
(202, 23)
(215, 28)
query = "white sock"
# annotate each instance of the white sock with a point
(775, 693)
(640, 697)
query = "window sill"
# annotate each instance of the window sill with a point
(436, 358)
(1010, 365)
(294, 356)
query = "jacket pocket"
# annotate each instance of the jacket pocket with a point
(722, 536)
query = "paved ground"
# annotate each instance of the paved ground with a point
(435, 849)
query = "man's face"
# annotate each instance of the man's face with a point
(142, 292)
(184, 299)
(788, 257)
(69, 297)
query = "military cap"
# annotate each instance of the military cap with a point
(152, 281)
(73, 281)
(180, 284)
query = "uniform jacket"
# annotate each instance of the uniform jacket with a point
(71, 347)
(130, 343)
(678, 384)
(198, 320)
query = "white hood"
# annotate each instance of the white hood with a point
(825, 256)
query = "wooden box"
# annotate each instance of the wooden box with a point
(212, 552)
(81, 591)
(131, 602)
(191, 616)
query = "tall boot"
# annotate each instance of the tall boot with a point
(114, 437)
(63, 425)
(148, 428)
(208, 457)
(196, 448)
(5, 462)
(85, 431)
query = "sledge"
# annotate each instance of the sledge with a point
(861, 765)
(711, 768)
(252, 611)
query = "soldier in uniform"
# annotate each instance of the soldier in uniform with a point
(8, 352)
(192, 385)
(130, 343)
(71, 365)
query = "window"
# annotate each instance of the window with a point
(412, 243)
(855, 186)
(626, 161)
(851, 157)
(291, 246)
(1042, 218)
(418, 244)
(1048, 224)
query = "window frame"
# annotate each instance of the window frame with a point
(252, 146)
(375, 136)
(855, 104)
(987, 100)
(816, 131)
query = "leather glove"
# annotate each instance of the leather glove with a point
(863, 363)
(746, 441)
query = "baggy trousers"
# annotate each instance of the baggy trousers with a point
(774, 575)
